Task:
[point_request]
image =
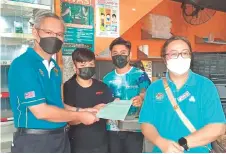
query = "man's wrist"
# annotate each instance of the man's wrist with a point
(142, 96)
(77, 109)
(159, 142)
(183, 143)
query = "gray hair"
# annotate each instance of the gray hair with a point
(40, 15)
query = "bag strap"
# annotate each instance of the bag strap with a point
(176, 107)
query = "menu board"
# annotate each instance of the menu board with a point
(207, 63)
(79, 20)
(78, 16)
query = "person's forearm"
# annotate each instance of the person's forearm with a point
(55, 114)
(74, 123)
(206, 135)
(151, 134)
(77, 109)
(142, 94)
(70, 108)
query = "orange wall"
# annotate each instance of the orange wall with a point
(216, 25)
(127, 17)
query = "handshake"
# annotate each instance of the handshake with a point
(87, 116)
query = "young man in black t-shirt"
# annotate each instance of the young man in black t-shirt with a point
(83, 91)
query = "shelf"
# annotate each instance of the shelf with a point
(215, 42)
(200, 40)
(15, 38)
(6, 119)
(16, 35)
(145, 36)
(4, 95)
(4, 90)
(5, 62)
(152, 59)
(9, 8)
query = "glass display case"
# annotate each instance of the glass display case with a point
(16, 37)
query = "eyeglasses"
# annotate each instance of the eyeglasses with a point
(176, 55)
(49, 32)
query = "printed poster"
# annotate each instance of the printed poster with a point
(78, 16)
(148, 68)
(107, 18)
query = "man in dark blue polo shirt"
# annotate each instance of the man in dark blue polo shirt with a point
(197, 98)
(35, 79)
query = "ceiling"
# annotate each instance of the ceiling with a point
(218, 5)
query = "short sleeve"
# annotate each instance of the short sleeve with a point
(108, 97)
(146, 115)
(25, 84)
(212, 107)
(144, 81)
(66, 94)
(105, 80)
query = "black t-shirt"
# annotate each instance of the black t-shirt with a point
(95, 135)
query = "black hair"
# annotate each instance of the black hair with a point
(120, 41)
(114, 15)
(174, 38)
(102, 14)
(83, 55)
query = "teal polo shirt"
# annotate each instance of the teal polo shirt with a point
(30, 83)
(198, 100)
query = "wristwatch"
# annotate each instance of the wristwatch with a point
(77, 109)
(183, 142)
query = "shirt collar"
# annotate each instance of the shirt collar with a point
(49, 66)
(190, 81)
(123, 73)
(37, 57)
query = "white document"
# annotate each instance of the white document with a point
(116, 110)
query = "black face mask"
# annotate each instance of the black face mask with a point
(50, 45)
(86, 72)
(120, 61)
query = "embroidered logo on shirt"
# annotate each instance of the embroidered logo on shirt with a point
(184, 96)
(192, 99)
(99, 92)
(41, 72)
(56, 71)
(30, 94)
(159, 96)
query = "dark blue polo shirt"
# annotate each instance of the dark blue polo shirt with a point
(32, 83)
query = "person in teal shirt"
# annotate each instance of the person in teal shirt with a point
(40, 116)
(196, 96)
(126, 83)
